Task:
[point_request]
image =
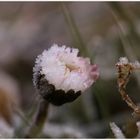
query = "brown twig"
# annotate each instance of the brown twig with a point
(124, 73)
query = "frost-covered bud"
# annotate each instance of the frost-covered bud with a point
(123, 61)
(60, 75)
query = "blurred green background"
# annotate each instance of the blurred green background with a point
(103, 31)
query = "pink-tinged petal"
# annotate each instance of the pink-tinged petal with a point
(65, 70)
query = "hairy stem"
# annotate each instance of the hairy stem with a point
(39, 120)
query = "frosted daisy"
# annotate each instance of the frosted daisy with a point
(61, 75)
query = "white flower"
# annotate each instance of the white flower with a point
(60, 75)
(65, 70)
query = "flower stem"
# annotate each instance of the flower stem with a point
(39, 120)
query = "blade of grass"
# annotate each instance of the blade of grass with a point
(78, 41)
(123, 15)
(127, 42)
(101, 100)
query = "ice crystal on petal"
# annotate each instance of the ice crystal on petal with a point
(63, 68)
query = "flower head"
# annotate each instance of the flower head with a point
(62, 70)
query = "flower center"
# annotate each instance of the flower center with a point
(72, 67)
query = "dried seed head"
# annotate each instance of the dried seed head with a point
(60, 75)
(125, 68)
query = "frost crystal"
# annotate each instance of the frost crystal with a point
(116, 131)
(123, 60)
(136, 65)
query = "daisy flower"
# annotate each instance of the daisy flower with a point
(61, 75)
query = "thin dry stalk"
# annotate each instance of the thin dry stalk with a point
(125, 70)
